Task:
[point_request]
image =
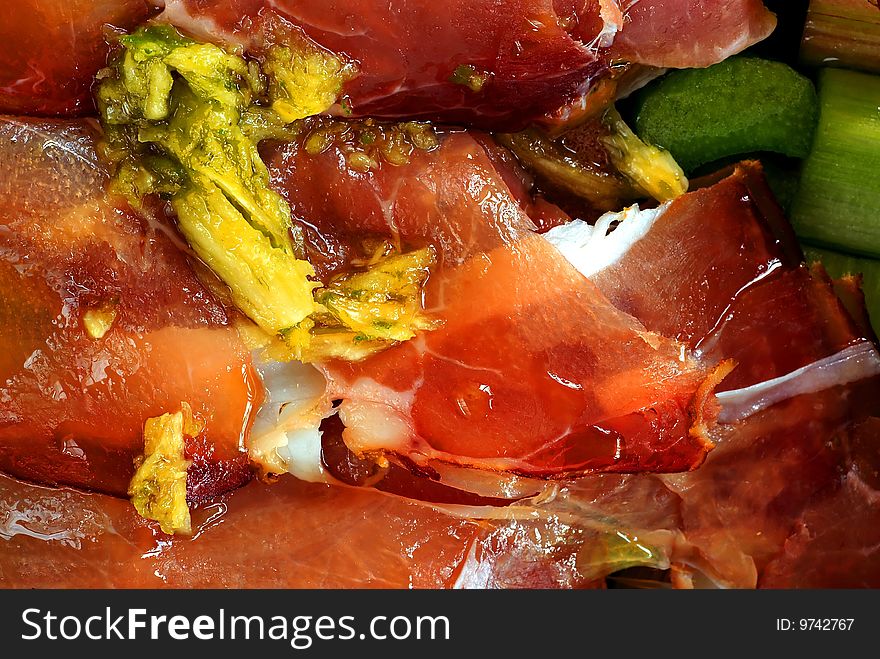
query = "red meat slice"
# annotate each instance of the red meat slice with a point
(309, 536)
(767, 473)
(408, 52)
(52, 50)
(690, 33)
(533, 56)
(720, 271)
(72, 407)
(836, 541)
(532, 370)
(787, 497)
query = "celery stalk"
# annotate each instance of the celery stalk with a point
(838, 200)
(843, 33)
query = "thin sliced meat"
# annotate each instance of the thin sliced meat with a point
(515, 379)
(452, 198)
(728, 276)
(72, 407)
(52, 50)
(741, 506)
(697, 256)
(779, 325)
(786, 499)
(523, 63)
(408, 53)
(720, 265)
(310, 536)
(836, 542)
(527, 61)
(531, 370)
(689, 33)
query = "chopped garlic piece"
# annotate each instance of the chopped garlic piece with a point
(158, 488)
(98, 321)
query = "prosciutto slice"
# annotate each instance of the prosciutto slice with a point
(463, 61)
(310, 536)
(836, 540)
(689, 33)
(530, 370)
(728, 271)
(52, 50)
(790, 454)
(778, 502)
(522, 61)
(530, 58)
(73, 404)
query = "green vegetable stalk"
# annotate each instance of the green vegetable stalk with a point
(843, 33)
(838, 201)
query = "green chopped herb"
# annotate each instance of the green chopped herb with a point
(468, 76)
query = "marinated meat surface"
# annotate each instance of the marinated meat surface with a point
(53, 49)
(530, 369)
(571, 413)
(73, 403)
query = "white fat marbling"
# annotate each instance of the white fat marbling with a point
(592, 248)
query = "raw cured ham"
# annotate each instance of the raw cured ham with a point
(788, 446)
(666, 393)
(73, 400)
(588, 529)
(52, 50)
(478, 65)
(769, 478)
(512, 379)
(67, 538)
(312, 536)
(722, 289)
(481, 65)
(685, 533)
(723, 29)
(835, 540)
